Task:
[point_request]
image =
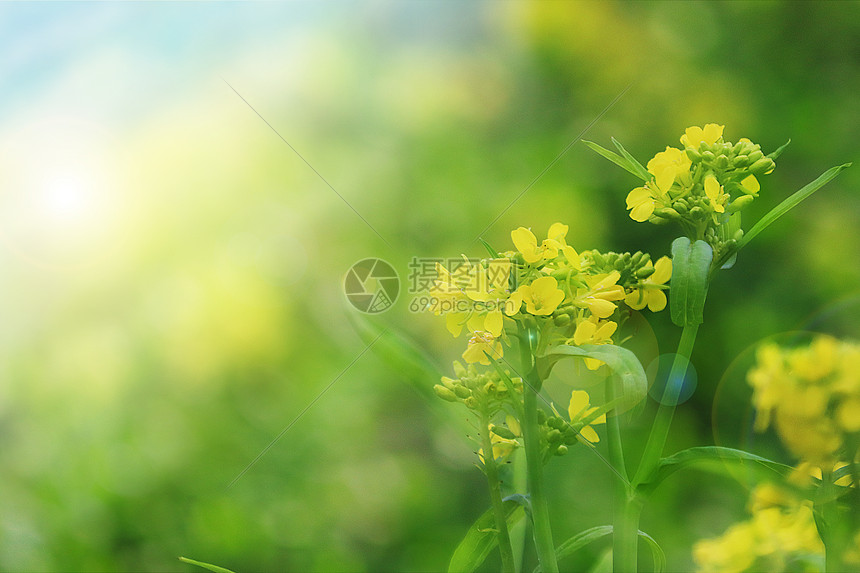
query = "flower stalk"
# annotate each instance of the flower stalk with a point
(492, 472)
(534, 458)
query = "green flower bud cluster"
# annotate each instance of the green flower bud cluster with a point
(557, 434)
(633, 268)
(732, 163)
(478, 391)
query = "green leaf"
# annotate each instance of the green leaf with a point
(208, 566)
(591, 535)
(493, 252)
(580, 540)
(691, 263)
(642, 172)
(481, 539)
(623, 363)
(791, 202)
(616, 159)
(656, 552)
(779, 150)
(708, 454)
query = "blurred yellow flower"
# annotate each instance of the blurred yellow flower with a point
(811, 395)
(480, 344)
(781, 531)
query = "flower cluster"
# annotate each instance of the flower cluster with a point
(567, 297)
(702, 184)
(574, 297)
(780, 536)
(811, 395)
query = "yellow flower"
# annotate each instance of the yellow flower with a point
(593, 331)
(641, 202)
(750, 185)
(782, 530)
(695, 136)
(456, 293)
(542, 296)
(526, 243)
(599, 293)
(650, 293)
(716, 194)
(580, 409)
(480, 344)
(667, 165)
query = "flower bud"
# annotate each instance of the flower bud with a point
(693, 154)
(644, 272)
(680, 207)
(756, 155)
(561, 319)
(740, 203)
(444, 393)
(541, 416)
(697, 212)
(762, 166)
(722, 162)
(502, 432)
(667, 213)
(553, 436)
(708, 156)
(462, 392)
(471, 403)
(561, 450)
(741, 161)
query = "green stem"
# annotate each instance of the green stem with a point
(492, 472)
(534, 461)
(625, 536)
(666, 411)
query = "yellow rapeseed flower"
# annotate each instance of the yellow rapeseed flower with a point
(716, 194)
(542, 296)
(650, 292)
(668, 165)
(580, 409)
(695, 136)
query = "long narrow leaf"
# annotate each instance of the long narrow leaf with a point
(642, 172)
(481, 539)
(591, 535)
(791, 202)
(779, 150)
(656, 552)
(208, 566)
(709, 454)
(616, 159)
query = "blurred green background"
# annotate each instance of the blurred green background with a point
(171, 271)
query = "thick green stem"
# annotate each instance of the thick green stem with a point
(625, 536)
(534, 460)
(534, 464)
(660, 430)
(492, 472)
